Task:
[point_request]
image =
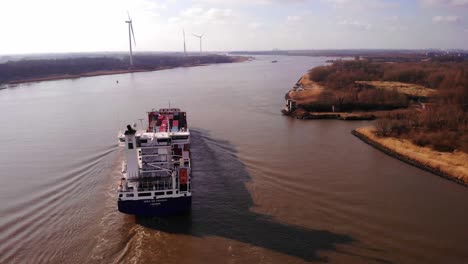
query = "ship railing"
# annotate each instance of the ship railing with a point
(180, 141)
(155, 185)
(151, 151)
(154, 158)
(154, 174)
(158, 166)
(155, 145)
(168, 168)
(151, 165)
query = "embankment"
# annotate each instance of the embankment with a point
(452, 166)
(302, 114)
(14, 72)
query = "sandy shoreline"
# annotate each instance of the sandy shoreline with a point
(452, 166)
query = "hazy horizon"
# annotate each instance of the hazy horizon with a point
(53, 26)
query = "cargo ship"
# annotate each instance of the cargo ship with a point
(156, 173)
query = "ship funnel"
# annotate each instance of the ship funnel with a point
(131, 153)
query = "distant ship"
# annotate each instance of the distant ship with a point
(156, 174)
(274, 61)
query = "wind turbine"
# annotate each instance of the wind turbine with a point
(200, 37)
(185, 50)
(130, 35)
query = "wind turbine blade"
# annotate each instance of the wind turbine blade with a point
(128, 14)
(196, 36)
(133, 34)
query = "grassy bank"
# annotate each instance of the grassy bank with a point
(13, 72)
(450, 165)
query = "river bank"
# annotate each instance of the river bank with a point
(75, 76)
(303, 114)
(449, 165)
(92, 71)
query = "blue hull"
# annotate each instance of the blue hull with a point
(152, 207)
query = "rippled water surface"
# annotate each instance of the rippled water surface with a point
(267, 189)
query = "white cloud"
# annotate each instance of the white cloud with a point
(255, 25)
(249, 2)
(218, 14)
(294, 19)
(354, 24)
(397, 28)
(198, 15)
(446, 19)
(173, 20)
(192, 12)
(448, 3)
(363, 4)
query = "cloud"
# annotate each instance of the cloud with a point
(192, 12)
(198, 15)
(363, 4)
(354, 24)
(397, 28)
(446, 19)
(447, 3)
(250, 2)
(393, 18)
(173, 19)
(294, 19)
(255, 25)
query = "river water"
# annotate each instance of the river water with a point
(267, 188)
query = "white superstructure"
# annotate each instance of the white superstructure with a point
(157, 161)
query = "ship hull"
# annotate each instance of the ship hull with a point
(155, 207)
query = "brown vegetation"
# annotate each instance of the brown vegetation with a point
(45, 69)
(346, 95)
(411, 90)
(440, 123)
(343, 74)
(444, 127)
(443, 123)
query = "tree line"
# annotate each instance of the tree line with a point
(31, 69)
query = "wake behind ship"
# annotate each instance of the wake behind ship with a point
(156, 175)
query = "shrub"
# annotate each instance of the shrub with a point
(421, 139)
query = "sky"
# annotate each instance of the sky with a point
(58, 26)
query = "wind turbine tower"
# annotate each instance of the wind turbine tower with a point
(200, 37)
(185, 50)
(130, 35)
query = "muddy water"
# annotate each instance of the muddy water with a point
(268, 189)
